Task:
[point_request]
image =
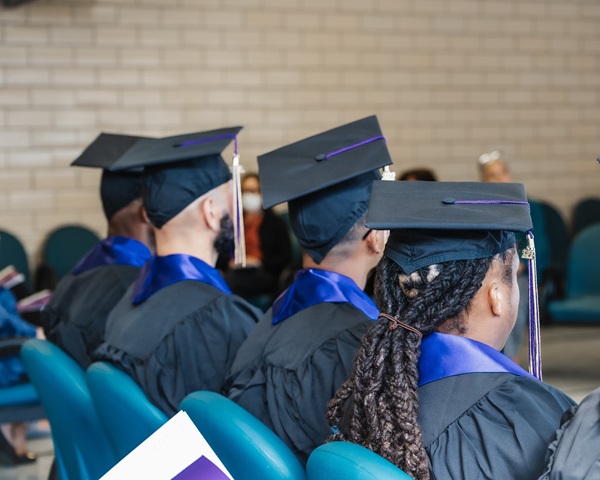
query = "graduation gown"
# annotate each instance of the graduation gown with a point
(575, 452)
(482, 416)
(177, 330)
(286, 372)
(76, 315)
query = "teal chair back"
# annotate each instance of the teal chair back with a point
(348, 461)
(558, 237)
(13, 253)
(81, 445)
(586, 213)
(65, 246)
(247, 448)
(584, 264)
(125, 411)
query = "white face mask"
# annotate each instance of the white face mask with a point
(251, 202)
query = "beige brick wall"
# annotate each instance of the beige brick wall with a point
(448, 79)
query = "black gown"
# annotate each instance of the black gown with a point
(575, 452)
(489, 425)
(285, 374)
(181, 339)
(76, 316)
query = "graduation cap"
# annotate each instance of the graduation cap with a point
(117, 190)
(327, 181)
(182, 168)
(436, 222)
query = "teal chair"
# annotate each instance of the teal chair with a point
(81, 446)
(125, 411)
(247, 448)
(582, 302)
(348, 461)
(13, 253)
(586, 213)
(65, 246)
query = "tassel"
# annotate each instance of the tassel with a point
(535, 356)
(238, 220)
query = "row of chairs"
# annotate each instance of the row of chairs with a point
(62, 250)
(99, 416)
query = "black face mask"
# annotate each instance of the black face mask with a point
(224, 241)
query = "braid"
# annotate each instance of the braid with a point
(383, 414)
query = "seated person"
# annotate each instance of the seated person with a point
(268, 249)
(178, 327)
(302, 350)
(75, 317)
(430, 390)
(12, 372)
(418, 174)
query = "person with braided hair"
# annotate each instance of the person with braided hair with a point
(430, 390)
(290, 366)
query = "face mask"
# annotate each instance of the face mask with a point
(224, 241)
(251, 202)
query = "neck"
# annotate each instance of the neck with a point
(188, 243)
(349, 266)
(140, 234)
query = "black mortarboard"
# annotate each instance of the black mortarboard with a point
(117, 190)
(179, 169)
(327, 181)
(436, 222)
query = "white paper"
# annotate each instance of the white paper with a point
(167, 452)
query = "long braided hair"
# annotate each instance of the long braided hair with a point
(383, 385)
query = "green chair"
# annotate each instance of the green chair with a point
(125, 411)
(13, 253)
(348, 461)
(582, 302)
(81, 446)
(586, 213)
(247, 448)
(65, 246)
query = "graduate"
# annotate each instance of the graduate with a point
(302, 350)
(178, 327)
(75, 317)
(430, 390)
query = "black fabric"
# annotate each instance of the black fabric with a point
(299, 169)
(489, 425)
(321, 220)
(285, 374)
(168, 189)
(575, 452)
(182, 339)
(76, 316)
(119, 189)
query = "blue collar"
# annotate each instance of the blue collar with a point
(314, 286)
(160, 272)
(445, 355)
(114, 251)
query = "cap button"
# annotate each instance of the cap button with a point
(448, 201)
(320, 158)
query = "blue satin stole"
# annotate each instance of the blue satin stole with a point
(445, 356)
(313, 286)
(160, 272)
(114, 251)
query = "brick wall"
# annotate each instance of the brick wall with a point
(448, 79)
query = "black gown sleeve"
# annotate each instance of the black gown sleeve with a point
(503, 435)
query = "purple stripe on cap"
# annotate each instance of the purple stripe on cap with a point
(211, 139)
(451, 201)
(350, 147)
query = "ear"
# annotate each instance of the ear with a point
(211, 213)
(496, 298)
(376, 241)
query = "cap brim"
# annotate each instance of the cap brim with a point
(105, 150)
(176, 148)
(294, 171)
